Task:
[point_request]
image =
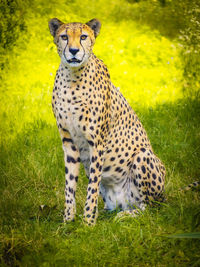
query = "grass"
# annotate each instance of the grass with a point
(147, 65)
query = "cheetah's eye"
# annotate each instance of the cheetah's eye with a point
(64, 37)
(83, 37)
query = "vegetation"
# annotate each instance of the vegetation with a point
(152, 50)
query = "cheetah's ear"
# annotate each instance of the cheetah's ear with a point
(54, 24)
(95, 25)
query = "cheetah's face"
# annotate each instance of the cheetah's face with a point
(74, 40)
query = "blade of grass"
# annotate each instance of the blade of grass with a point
(185, 235)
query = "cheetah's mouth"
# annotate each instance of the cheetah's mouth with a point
(74, 60)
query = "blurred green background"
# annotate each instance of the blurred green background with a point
(150, 47)
(152, 50)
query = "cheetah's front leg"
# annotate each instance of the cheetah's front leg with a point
(91, 205)
(72, 164)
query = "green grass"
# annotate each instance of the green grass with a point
(146, 61)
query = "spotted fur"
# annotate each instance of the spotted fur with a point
(99, 128)
(190, 186)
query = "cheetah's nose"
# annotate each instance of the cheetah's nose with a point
(73, 51)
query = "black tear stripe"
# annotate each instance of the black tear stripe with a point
(65, 49)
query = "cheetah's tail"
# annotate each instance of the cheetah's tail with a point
(190, 186)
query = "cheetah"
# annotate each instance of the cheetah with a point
(99, 128)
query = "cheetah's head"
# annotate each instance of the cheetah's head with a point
(74, 40)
